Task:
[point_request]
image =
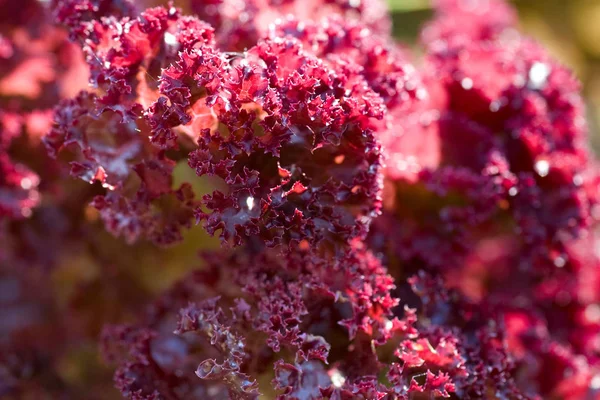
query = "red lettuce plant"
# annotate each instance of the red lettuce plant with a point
(390, 227)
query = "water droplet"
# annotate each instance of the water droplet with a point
(250, 202)
(592, 314)
(493, 170)
(355, 3)
(26, 183)
(170, 39)
(389, 325)
(337, 379)
(243, 17)
(542, 167)
(577, 180)
(467, 83)
(205, 369)
(513, 191)
(538, 75)
(560, 261)
(495, 106)
(595, 383)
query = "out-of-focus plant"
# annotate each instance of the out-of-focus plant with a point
(392, 225)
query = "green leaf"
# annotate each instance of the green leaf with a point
(397, 6)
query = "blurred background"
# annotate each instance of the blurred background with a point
(570, 29)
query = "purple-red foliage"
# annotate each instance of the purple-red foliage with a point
(240, 24)
(106, 131)
(291, 138)
(396, 232)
